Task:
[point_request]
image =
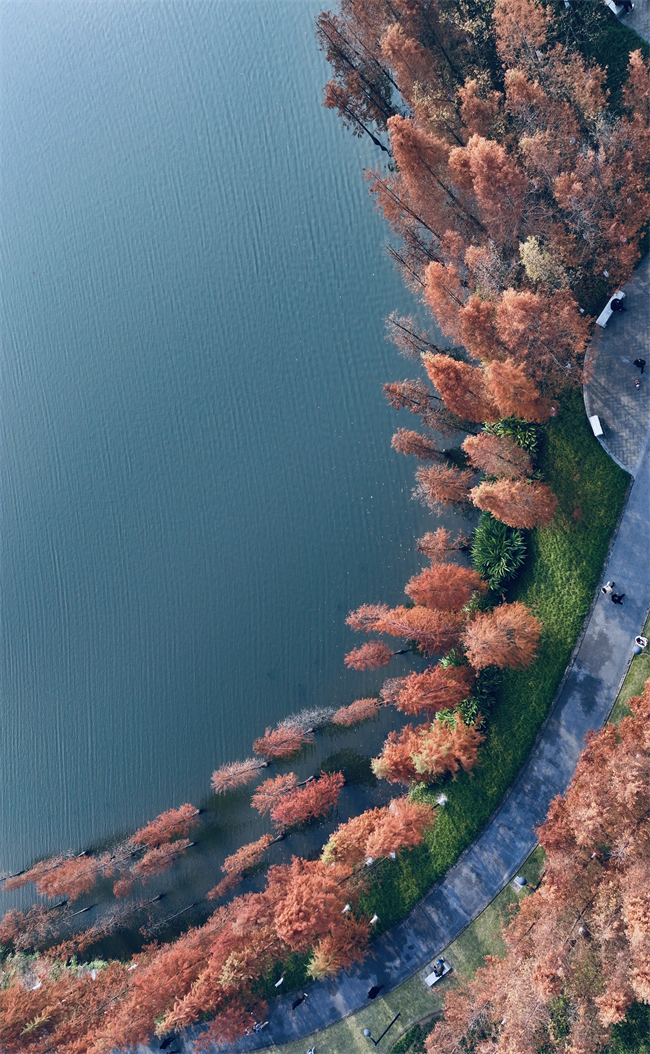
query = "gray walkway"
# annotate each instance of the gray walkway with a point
(624, 410)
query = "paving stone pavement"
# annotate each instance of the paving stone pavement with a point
(623, 410)
(639, 19)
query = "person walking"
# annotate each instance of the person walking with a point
(617, 598)
(607, 588)
(640, 364)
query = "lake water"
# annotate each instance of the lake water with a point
(196, 475)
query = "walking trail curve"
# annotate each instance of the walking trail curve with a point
(584, 701)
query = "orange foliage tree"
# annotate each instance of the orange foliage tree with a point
(446, 587)
(423, 753)
(65, 876)
(440, 487)
(438, 688)
(359, 710)
(369, 656)
(401, 825)
(497, 456)
(518, 503)
(159, 859)
(515, 392)
(580, 941)
(435, 631)
(271, 792)
(507, 637)
(236, 774)
(448, 746)
(415, 444)
(463, 387)
(282, 742)
(315, 799)
(170, 824)
(438, 544)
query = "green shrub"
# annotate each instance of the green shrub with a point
(498, 551)
(523, 432)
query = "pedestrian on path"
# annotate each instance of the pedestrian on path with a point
(297, 1002)
(637, 384)
(640, 364)
(607, 588)
(617, 598)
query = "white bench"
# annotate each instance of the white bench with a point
(433, 978)
(616, 8)
(596, 426)
(606, 313)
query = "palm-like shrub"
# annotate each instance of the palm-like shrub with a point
(497, 550)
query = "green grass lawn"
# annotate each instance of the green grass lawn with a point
(636, 677)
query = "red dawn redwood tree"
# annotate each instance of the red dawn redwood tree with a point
(497, 456)
(272, 791)
(369, 656)
(438, 544)
(435, 631)
(446, 587)
(515, 392)
(168, 825)
(236, 774)
(438, 688)
(358, 711)
(448, 746)
(417, 445)
(282, 742)
(507, 637)
(517, 503)
(463, 387)
(306, 803)
(439, 487)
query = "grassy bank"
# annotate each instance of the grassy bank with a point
(558, 583)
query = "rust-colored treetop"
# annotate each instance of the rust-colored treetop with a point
(581, 940)
(306, 803)
(269, 793)
(438, 688)
(518, 503)
(171, 824)
(507, 636)
(435, 631)
(358, 711)
(497, 456)
(369, 656)
(423, 753)
(237, 774)
(446, 587)
(282, 742)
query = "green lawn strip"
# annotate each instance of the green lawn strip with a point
(557, 583)
(636, 677)
(413, 1001)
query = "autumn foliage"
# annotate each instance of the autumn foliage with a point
(358, 711)
(236, 774)
(507, 636)
(446, 587)
(369, 656)
(315, 799)
(271, 792)
(423, 753)
(497, 456)
(438, 688)
(172, 824)
(435, 631)
(518, 503)
(580, 942)
(282, 742)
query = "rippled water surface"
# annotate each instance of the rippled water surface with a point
(196, 475)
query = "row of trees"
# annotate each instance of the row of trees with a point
(578, 951)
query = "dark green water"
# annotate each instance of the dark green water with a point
(196, 475)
